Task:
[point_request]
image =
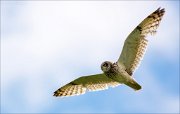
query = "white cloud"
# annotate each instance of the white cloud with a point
(63, 39)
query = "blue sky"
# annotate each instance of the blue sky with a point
(45, 45)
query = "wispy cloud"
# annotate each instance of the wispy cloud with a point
(47, 44)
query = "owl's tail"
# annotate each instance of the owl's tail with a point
(133, 84)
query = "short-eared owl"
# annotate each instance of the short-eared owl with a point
(120, 72)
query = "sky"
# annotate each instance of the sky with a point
(46, 44)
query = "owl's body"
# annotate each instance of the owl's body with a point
(120, 72)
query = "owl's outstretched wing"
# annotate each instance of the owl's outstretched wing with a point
(136, 43)
(86, 83)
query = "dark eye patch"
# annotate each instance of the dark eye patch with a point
(105, 65)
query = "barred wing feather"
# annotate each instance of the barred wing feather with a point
(86, 83)
(136, 43)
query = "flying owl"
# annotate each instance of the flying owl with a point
(119, 72)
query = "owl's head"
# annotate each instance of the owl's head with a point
(106, 66)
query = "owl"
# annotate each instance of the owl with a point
(120, 72)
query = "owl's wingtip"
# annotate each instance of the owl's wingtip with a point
(55, 94)
(161, 10)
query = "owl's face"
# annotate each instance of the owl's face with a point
(106, 66)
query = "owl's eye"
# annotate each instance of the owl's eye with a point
(105, 64)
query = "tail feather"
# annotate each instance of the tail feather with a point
(133, 84)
